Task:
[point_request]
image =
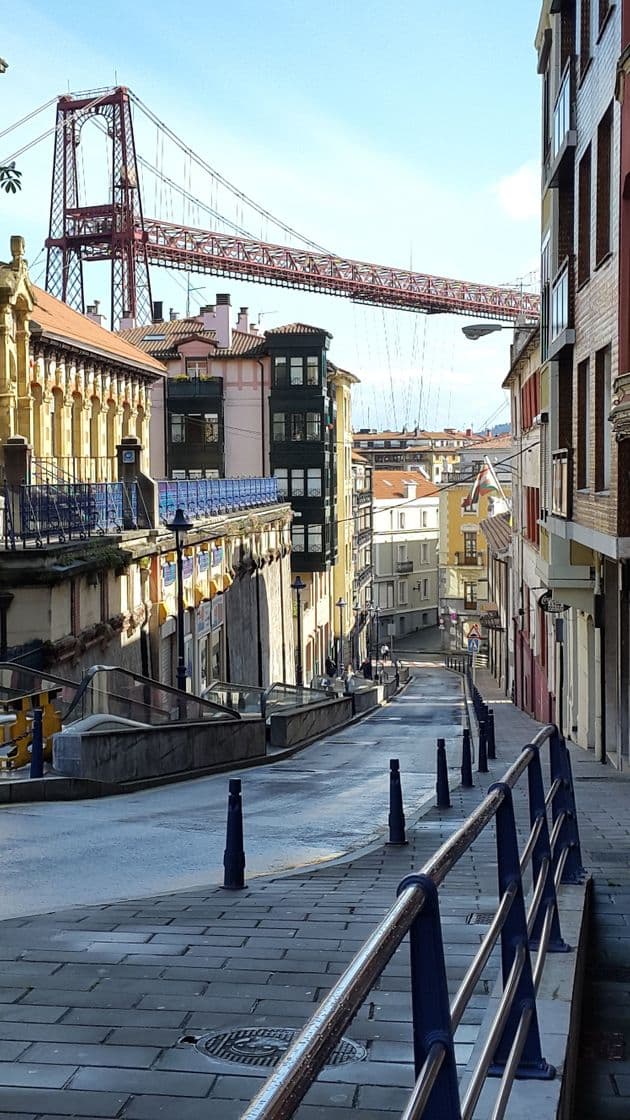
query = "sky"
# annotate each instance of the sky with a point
(394, 131)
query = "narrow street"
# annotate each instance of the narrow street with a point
(327, 800)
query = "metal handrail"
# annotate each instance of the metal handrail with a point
(416, 911)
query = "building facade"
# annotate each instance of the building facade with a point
(405, 549)
(88, 570)
(362, 550)
(435, 454)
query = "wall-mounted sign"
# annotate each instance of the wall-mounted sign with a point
(128, 456)
(168, 574)
(187, 566)
(217, 555)
(549, 605)
(203, 561)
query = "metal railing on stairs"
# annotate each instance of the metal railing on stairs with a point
(512, 1046)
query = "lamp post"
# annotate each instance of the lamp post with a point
(374, 616)
(180, 525)
(355, 650)
(298, 586)
(341, 603)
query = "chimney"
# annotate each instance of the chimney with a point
(254, 328)
(241, 322)
(410, 490)
(127, 322)
(94, 313)
(158, 311)
(468, 432)
(173, 314)
(222, 324)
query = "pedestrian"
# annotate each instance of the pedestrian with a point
(366, 669)
(331, 668)
(384, 652)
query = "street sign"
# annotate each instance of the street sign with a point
(474, 630)
(473, 645)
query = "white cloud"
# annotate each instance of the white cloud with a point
(519, 192)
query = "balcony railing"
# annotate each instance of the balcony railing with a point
(475, 560)
(194, 387)
(404, 566)
(561, 489)
(53, 513)
(211, 497)
(362, 577)
(364, 497)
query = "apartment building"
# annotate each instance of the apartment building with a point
(362, 547)
(405, 546)
(435, 454)
(585, 526)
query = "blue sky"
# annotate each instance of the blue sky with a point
(393, 131)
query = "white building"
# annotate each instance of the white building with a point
(405, 552)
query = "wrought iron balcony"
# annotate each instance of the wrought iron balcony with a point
(194, 387)
(474, 560)
(209, 497)
(561, 483)
(620, 414)
(404, 566)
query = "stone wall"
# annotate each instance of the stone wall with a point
(260, 624)
(300, 724)
(153, 752)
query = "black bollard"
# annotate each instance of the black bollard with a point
(443, 797)
(396, 817)
(467, 779)
(234, 854)
(483, 749)
(492, 749)
(37, 745)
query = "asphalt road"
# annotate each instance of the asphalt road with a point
(325, 801)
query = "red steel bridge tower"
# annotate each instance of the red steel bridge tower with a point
(118, 231)
(111, 232)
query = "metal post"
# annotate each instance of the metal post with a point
(540, 854)
(37, 745)
(234, 854)
(467, 779)
(564, 802)
(513, 940)
(181, 661)
(443, 799)
(482, 766)
(492, 750)
(298, 667)
(430, 1002)
(396, 819)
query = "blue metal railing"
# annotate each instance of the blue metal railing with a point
(512, 1047)
(57, 512)
(210, 497)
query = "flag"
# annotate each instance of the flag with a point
(486, 482)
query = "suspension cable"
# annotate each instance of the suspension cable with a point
(29, 116)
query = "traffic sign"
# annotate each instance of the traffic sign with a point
(474, 630)
(473, 645)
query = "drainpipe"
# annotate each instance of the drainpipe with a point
(263, 462)
(598, 645)
(258, 637)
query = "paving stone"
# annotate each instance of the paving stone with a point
(84, 1054)
(160, 1082)
(35, 1076)
(64, 1102)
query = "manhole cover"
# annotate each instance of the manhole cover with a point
(480, 918)
(265, 1046)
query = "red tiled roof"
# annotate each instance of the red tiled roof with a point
(391, 484)
(298, 328)
(414, 435)
(497, 531)
(174, 332)
(60, 322)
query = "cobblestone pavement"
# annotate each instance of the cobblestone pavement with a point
(102, 1008)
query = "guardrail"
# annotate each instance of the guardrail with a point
(512, 1047)
(209, 497)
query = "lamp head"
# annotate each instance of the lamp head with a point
(180, 523)
(298, 584)
(341, 602)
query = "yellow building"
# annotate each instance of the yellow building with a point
(463, 558)
(343, 570)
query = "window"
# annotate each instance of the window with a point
(297, 427)
(211, 427)
(281, 476)
(312, 370)
(196, 367)
(602, 187)
(583, 423)
(178, 428)
(403, 592)
(585, 35)
(545, 294)
(584, 218)
(470, 548)
(280, 372)
(425, 518)
(470, 596)
(401, 550)
(386, 595)
(279, 425)
(314, 482)
(424, 589)
(297, 371)
(297, 537)
(603, 430)
(401, 521)
(424, 552)
(297, 482)
(194, 429)
(313, 425)
(531, 496)
(315, 538)
(530, 401)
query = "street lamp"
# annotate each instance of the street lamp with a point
(375, 611)
(341, 603)
(298, 586)
(479, 330)
(355, 650)
(179, 525)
